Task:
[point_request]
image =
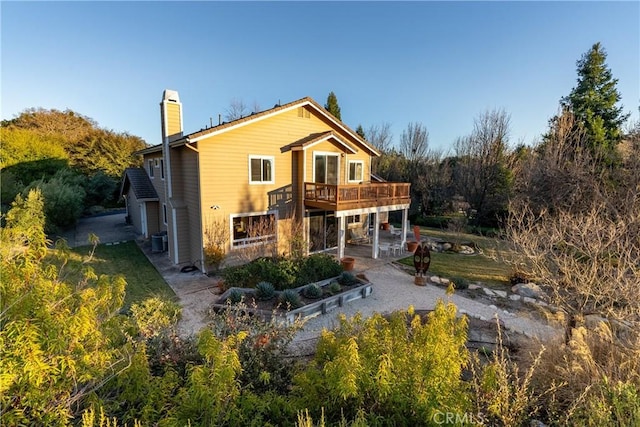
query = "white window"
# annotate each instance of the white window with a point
(354, 219)
(261, 169)
(355, 170)
(164, 213)
(162, 168)
(151, 168)
(253, 229)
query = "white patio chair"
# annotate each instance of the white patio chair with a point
(385, 248)
(395, 231)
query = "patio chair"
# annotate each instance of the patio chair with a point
(395, 231)
(385, 248)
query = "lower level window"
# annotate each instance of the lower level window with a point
(254, 229)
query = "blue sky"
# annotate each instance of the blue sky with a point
(440, 64)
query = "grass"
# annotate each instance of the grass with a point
(126, 259)
(489, 267)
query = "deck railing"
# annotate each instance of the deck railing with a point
(356, 195)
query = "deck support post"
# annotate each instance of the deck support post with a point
(341, 236)
(376, 235)
(405, 220)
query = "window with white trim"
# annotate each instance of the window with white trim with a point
(356, 168)
(150, 168)
(252, 229)
(261, 169)
(162, 169)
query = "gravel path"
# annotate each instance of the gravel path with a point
(393, 289)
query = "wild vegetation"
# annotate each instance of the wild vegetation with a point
(76, 164)
(79, 347)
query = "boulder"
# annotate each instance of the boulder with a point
(530, 290)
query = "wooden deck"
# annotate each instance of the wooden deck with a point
(355, 196)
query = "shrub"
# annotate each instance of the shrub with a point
(334, 287)
(265, 291)
(290, 298)
(235, 296)
(312, 291)
(460, 283)
(63, 201)
(317, 267)
(347, 279)
(262, 352)
(399, 369)
(239, 277)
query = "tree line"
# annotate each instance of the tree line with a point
(484, 172)
(76, 164)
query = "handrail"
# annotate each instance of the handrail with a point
(332, 193)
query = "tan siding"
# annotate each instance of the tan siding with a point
(154, 217)
(133, 209)
(173, 118)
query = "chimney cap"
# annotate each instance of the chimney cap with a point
(170, 95)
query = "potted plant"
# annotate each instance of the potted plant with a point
(412, 246)
(347, 263)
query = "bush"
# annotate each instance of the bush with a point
(312, 291)
(460, 283)
(262, 352)
(334, 288)
(347, 279)
(235, 296)
(63, 199)
(265, 291)
(317, 267)
(239, 277)
(399, 369)
(290, 299)
(101, 190)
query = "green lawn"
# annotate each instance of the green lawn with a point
(488, 267)
(126, 259)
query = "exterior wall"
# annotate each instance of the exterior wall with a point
(133, 210)
(186, 202)
(343, 161)
(158, 183)
(154, 217)
(174, 119)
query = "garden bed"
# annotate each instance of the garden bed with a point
(311, 307)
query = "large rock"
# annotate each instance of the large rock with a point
(530, 290)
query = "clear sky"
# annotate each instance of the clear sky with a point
(438, 63)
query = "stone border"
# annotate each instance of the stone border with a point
(311, 310)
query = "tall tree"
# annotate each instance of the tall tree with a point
(360, 131)
(414, 141)
(332, 105)
(481, 172)
(594, 102)
(380, 136)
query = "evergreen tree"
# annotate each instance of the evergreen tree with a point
(593, 101)
(332, 105)
(360, 131)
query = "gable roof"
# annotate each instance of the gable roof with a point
(224, 127)
(315, 138)
(138, 180)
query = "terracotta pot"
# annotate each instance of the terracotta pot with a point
(420, 280)
(347, 263)
(385, 226)
(412, 246)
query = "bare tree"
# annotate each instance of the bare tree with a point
(380, 137)
(237, 109)
(481, 175)
(414, 141)
(586, 247)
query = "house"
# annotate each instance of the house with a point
(294, 164)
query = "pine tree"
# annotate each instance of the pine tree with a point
(593, 101)
(332, 105)
(360, 131)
